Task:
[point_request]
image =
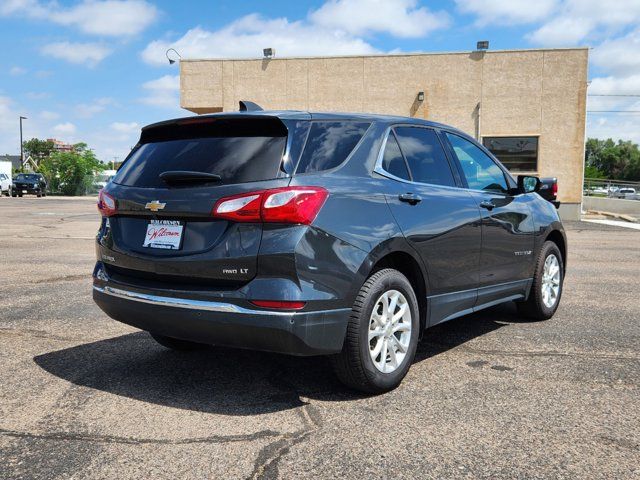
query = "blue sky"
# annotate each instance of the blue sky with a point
(95, 70)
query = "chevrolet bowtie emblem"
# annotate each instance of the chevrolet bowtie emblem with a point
(155, 206)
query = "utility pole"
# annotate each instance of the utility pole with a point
(21, 148)
(113, 164)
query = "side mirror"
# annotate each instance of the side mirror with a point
(528, 184)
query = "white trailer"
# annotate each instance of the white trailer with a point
(6, 178)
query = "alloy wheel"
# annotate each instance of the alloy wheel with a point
(551, 281)
(389, 331)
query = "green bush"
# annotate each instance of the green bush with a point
(71, 173)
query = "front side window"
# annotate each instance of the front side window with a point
(425, 156)
(518, 154)
(329, 144)
(481, 172)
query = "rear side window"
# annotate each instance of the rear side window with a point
(393, 161)
(425, 156)
(238, 151)
(329, 144)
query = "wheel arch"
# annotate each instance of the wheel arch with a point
(398, 255)
(557, 237)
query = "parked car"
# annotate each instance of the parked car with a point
(100, 181)
(345, 235)
(626, 193)
(5, 184)
(29, 184)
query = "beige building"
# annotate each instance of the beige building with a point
(527, 106)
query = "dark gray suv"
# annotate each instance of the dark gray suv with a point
(320, 234)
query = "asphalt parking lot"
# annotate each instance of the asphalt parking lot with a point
(489, 396)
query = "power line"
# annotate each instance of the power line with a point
(614, 111)
(612, 95)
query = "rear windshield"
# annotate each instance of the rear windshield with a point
(237, 150)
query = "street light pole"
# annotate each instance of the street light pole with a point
(21, 148)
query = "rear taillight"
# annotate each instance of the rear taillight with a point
(106, 204)
(278, 205)
(278, 304)
(554, 189)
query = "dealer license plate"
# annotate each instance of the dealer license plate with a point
(165, 234)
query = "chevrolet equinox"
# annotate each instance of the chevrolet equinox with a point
(345, 235)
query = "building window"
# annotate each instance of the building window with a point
(518, 154)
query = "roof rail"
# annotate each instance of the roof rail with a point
(247, 106)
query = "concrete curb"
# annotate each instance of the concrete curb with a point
(618, 216)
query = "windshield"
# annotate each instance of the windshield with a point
(27, 177)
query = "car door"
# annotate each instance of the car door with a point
(439, 219)
(507, 225)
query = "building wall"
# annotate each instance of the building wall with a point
(494, 93)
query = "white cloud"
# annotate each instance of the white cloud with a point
(88, 110)
(512, 12)
(66, 128)
(162, 92)
(400, 18)
(619, 55)
(577, 21)
(15, 71)
(47, 115)
(114, 18)
(615, 126)
(247, 36)
(123, 127)
(613, 85)
(7, 118)
(563, 31)
(38, 95)
(80, 53)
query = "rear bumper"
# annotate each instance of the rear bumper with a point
(226, 324)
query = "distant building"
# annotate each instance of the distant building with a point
(60, 146)
(526, 106)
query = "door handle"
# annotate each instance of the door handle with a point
(410, 198)
(487, 204)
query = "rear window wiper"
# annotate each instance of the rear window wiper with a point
(173, 177)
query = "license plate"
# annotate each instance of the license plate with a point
(165, 234)
(24, 191)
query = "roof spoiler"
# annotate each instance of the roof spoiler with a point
(247, 106)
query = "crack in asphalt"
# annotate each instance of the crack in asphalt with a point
(268, 459)
(536, 353)
(41, 334)
(65, 278)
(266, 464)
(87, 437)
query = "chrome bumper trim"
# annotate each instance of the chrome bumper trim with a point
(194, 304)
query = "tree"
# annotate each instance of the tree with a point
(37, 148)
(616, 161)
(71, 173)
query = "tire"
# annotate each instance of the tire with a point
(537, 306)
(176, 343)
(355, 366)
(39, 195)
